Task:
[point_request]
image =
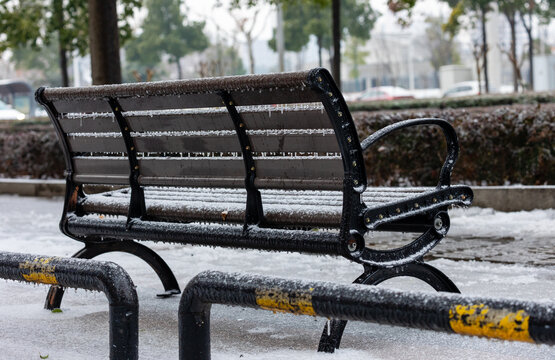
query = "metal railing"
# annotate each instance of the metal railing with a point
(475, 316)
(106, 277)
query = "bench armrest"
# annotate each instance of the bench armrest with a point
(448, 131)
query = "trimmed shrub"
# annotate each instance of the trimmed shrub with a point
(456, 103)
(30, 153)
(503, 145)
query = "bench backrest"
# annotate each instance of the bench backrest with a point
(283, 131)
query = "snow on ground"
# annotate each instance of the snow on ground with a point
(518, 240)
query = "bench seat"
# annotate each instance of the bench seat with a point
(283, 208)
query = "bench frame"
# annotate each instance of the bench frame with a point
(426, 213)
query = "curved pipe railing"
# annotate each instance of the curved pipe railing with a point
(106, 277)
(493, 318)
(448, 131)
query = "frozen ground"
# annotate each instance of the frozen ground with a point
(518, 246)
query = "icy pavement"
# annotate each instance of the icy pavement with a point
(516, 240)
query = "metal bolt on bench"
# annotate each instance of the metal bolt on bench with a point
(255, 161)
(106, 277)
(452, 313)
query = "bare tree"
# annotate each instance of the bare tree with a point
(477, 51)
(516, 64)
(246, 26)
(388, 61)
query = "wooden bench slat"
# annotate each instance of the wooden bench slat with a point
(197, 210)
(82, 106)
(310, 168)
(322, 172)
(89, 178)
(260, 119)
(279, 193)
(292, 81)
(306, 208)
(268, 196)
(186, 101)
(284, 142)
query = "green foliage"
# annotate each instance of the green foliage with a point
(454, 103)
(304, 18)
(403, 9)
(295, 31)
(164, 32)
(220, 60)
(442, 48)
(36, 25)
(44, 59)
(355, 56)
(251, 3)
(19, 24)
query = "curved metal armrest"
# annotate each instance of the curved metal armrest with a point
(448, 131)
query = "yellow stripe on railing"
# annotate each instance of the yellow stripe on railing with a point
(480, 320)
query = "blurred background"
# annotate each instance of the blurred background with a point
(487, 66)
(395, 49)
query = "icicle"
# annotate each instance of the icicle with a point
(329, 327)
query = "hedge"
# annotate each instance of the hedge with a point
(499, 145)
(456, 103)
(30, 152)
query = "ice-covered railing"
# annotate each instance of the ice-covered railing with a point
(505, 319)
(106, 277)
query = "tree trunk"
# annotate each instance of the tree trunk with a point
(512, 24)
(63, 65)
(280, 43)
(478, 72)
(319, 42)
(58, 8)
(104, 42)
(528, 28)
(179, 70)
(251, 55)
(531, 58)
(485, 49)
(336, 34)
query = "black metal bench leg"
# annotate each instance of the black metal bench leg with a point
(91, 250)
(331, 339)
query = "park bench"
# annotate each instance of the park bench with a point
(270, 162)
